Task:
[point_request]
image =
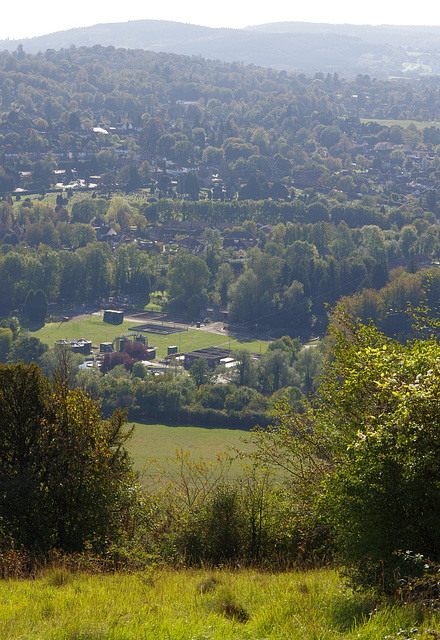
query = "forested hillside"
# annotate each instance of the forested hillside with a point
(382, 50)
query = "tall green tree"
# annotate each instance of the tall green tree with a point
(83, 211)
(244, 304)
(275, 371)
(65, 478)
(96, 260)
(5, 343)
(200, 372)
(188, 279)
(191, 185)
(36, 305)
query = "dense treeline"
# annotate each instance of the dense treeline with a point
(285, 280)
(236, 398)
(284, 283)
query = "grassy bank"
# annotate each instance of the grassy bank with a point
(199, 605)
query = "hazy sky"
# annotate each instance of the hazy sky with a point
(38, 17)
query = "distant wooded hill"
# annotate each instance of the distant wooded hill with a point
(379, 51)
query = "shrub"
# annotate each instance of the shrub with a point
(380, 405)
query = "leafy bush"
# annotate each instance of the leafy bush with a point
(198, 516)
(380, 405)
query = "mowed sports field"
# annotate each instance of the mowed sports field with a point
(95, 329)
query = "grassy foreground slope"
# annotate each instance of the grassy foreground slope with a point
(199, 605)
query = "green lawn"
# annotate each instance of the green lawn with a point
(185, 340)
(256, 346)
(93, 328)
(402, 123)
(160, 442)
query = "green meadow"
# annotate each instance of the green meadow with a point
(95, 329)
(402, 123)
(164, 604)
(160, 442)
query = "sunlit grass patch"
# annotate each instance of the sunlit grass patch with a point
(159, 442)
(200, 605)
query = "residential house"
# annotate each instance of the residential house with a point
(239, 239)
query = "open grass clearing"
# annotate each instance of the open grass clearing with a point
(164, 604)
(159, 442)
(95, 329)
(402, 123)
(184, 340)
